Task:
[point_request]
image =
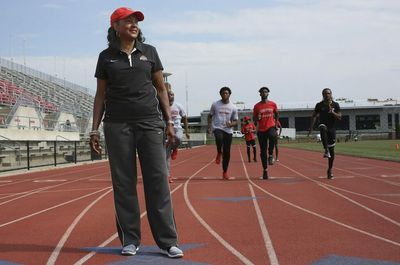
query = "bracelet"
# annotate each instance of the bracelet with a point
(94, 132)
(170, 122)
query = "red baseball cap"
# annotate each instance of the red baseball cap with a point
(246, 118)
(124, 12)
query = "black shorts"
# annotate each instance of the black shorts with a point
(251, 143)
(331, 133)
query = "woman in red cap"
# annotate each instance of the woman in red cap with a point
(248, 130)
(132, 96)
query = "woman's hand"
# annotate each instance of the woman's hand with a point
(170, 135)
(95, 143)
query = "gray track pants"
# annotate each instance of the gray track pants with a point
(123, 140)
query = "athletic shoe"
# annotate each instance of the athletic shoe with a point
(327, 154)
(170, 180)
(277, 160)
(270, 160)
(172, 252)
(218, 159)
(329, 174)
(129, 250)
(249, 160)
(265, 174)
(174, 154)
(225, 176)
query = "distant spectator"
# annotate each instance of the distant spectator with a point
(67, 125)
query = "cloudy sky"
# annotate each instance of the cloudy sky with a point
(295, 47)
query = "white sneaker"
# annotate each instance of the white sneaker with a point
(129, 250)
(173, 252)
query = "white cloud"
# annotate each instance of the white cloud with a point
(53, 6)
(294, 47)
(351, 46)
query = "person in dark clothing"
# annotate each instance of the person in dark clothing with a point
(132, 96)
(328, 112)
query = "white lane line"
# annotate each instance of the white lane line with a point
(327, 218)
(350, 172)
(56, 252)
(362, 206)
(111, 238)
(224, 243)
(390, 176)
(46, 188)
(362, 195)
(340, 177)
(264, 231)
(49, 180)
(101, 180)
(323, 185)
(344, 190)
(267, 239)
(69, 172)
(51, 208)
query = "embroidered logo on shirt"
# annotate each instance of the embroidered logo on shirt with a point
(143, 58)
(113, 61)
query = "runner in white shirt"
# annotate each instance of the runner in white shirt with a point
(178, 115)
(223, 117)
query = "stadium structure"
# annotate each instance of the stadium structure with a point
(34, 101)
(371, 118)
(45, 120)
(42, 118)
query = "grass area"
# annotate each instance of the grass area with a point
(379, 149)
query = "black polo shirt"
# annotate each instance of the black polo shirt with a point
(130, 94)
(324, 116)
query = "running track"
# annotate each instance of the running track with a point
(66, 215)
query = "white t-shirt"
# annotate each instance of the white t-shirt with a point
(222, 113)
(177, 112)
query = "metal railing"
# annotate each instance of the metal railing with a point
(29, 154)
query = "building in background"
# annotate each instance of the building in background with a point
(369, 118)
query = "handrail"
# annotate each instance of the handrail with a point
(59, 136)
(8, 139)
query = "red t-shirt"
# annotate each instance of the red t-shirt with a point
(248, 131)
(264, 113)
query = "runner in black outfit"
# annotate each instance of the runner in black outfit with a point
(328, 112)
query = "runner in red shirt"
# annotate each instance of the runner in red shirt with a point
(248, 130)
(265, 114)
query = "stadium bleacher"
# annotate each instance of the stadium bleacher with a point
(20, 85)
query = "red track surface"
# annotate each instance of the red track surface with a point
(297, 217)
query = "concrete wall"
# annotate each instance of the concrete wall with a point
(26, 134)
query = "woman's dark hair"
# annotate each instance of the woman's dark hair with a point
(114, 41)
(325, 89)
